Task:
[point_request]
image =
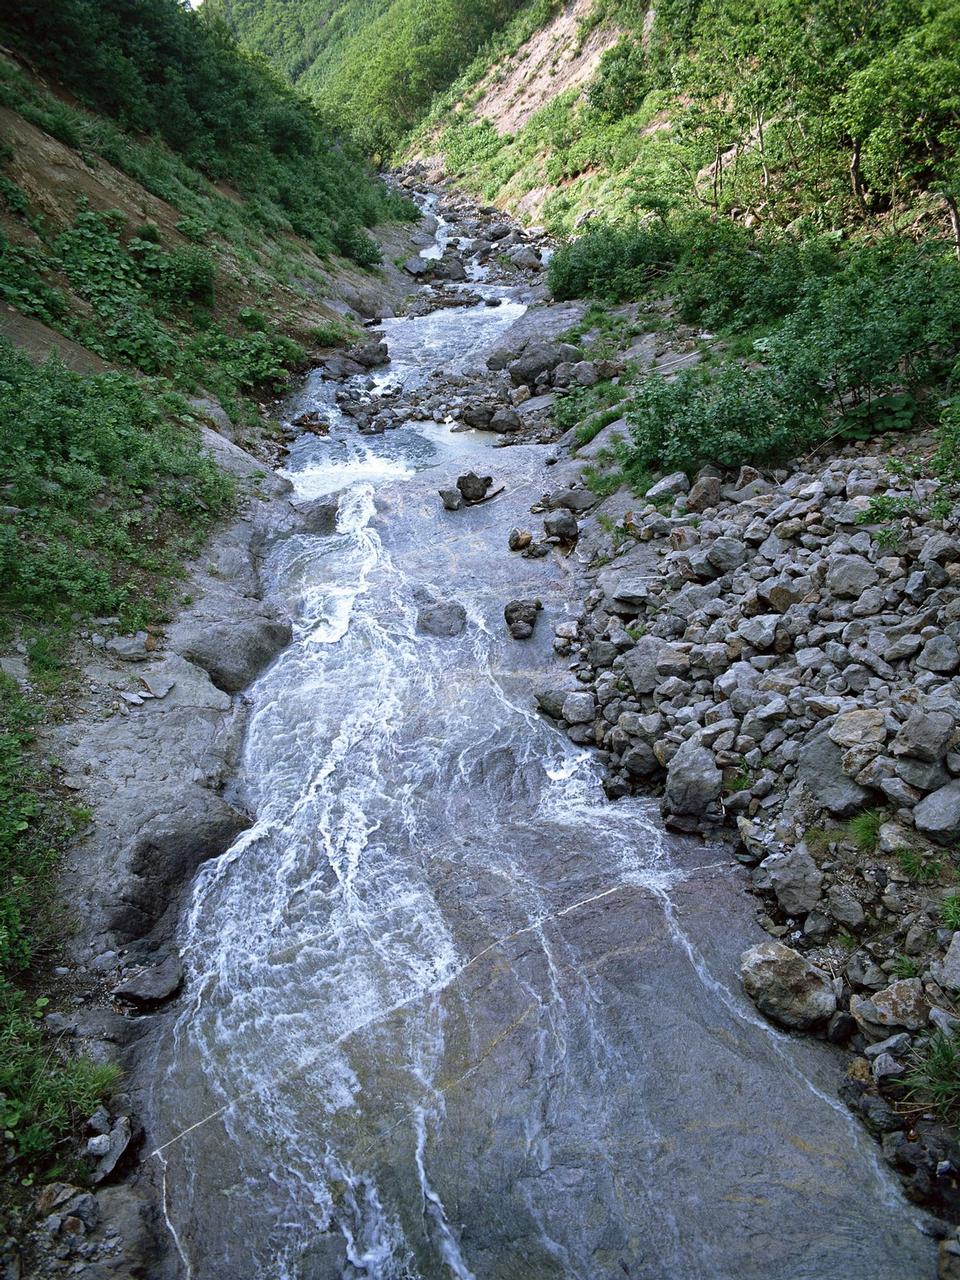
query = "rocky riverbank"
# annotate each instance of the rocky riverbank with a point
(777, 653)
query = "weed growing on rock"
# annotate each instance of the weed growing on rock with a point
(934, 1080)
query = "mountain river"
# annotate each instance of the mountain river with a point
(449, 1012)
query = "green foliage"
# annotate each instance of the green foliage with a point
(374, 64)
(864, 830)
(918, 866)
(41, 1095)
(934, 1078)
(905, 967)
(950, 911)
(167, 72)
(109, 487)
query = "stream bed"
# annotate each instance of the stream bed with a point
(449, 1012)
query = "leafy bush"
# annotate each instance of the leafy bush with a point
(614, 263)
(108, 483)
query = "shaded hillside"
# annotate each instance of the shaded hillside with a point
(374, 64)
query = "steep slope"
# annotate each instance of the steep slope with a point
(376, 66)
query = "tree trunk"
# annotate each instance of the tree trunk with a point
(951, 202)
(856, 181)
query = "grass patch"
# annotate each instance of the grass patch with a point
(950, 911)
(934, 1080)
(918, 866)
(864, 830)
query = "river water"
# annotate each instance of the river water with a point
(449, 1012)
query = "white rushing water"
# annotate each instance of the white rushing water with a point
(449, 1013)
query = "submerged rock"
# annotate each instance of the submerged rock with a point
(443, 618)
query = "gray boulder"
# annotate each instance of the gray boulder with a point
(640, 663)
(938, 815)
(849, 576)
(579, 708)
(794, 878)
(505, 421)
(669, 487)
(820, 769)
(727, 554)
(562, 525)
(234, 653)
(452, 499)
(787, 987)
(152, 986)
(693, 781)
(939, 654)
(925, 735)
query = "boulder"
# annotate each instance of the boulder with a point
(850, 576)
(704, 493)
(819, 768)
(925, 735)
(234, 653)
(452, 499)
(727, 554)
(442, 618)
(640, 663)
(538, 358)
(901, 1006)
(786, 987)
(670, 486)
(794, 878)
(937, 816)
(474, 487)
(579, 708)
(152, 986)
(505, 421)
(521, 617)
(693, 781)
(864, 725)
(563, 526)
(939, 654)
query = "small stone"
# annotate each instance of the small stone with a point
(521, 617)
(519, 540)
(452, 499)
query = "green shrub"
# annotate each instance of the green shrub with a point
(108, 481)
(934, 1078)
